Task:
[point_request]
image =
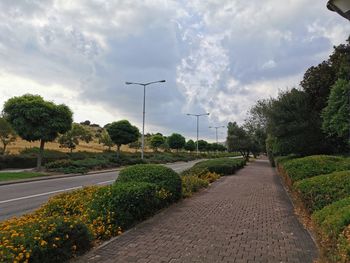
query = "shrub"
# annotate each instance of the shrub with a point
(191, 184)
(58, 164)
(301, 168)
(319, 191)
(164, 177)
(223, 166)
(124, 204)
(33, 238)
(282, 159)
(332, 224)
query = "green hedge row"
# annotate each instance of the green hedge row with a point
(222, 166)
(320, 191)
(302, 168)
(323, 185)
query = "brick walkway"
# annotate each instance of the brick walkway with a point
(247, 217)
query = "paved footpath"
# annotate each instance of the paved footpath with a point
(247, 217)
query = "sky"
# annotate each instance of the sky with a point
(217, 56)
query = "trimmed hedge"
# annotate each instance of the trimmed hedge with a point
(319, 191)
(332, 224)
(302, 168)
(222, 166)
(124, 204)
(164, 177)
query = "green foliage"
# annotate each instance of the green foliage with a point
(124, 204)
(6, 176)
(222, 166)
(190, 146)
(280, 160)
(331, 222)
(320, 191)
(7, 135)
(106, 140)
(176, 141)
(336, 115)
(33, 119)
(43, 239)
(164, 177)
(191, 184)
(122, 132)
(156, 141)
(238, 139)
(202, 145)
(72, 137)
(302, 168)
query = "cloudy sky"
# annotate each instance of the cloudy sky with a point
(217, 56)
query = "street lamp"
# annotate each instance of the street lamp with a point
(197, 115)
(342, 7)
(143, 111)
(216, 131)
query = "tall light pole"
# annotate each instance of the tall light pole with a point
(144, 110)
(342, 7)
(197, 116)
(216, 131)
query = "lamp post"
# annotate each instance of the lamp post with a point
(197, 116)
(342, 7)
(216, 131)
(143, 111)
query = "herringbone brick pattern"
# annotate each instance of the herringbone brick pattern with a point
(247, 217)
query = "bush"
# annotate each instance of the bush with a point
(191, 184)
(124, 204)
(58, 164)
(279, 160)
(223, 166)
(33, 238)
(302, 168)
(319, 191)
(332, 224)
(164, 177)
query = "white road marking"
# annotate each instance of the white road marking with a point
(37, 195)
(106, 182)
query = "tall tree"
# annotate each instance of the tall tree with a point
(176, 141)
(122, 132)
(238, 140)
(202, 145)
(156, 141)
(336, 116)
(105, 139)
(34, 119)
(7, 135)
(190, 146)
(72, 137)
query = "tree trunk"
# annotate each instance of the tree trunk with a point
(118, 151)
(4, 148)
(40, 156)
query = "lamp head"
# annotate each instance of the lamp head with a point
(128, 83)
(342, 7)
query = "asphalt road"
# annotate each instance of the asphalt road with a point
(21, 198)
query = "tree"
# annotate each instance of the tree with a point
(7, 135)
(72, 137)
(122, 132)
(86, 123)
(190, 146)
(34, 119)
(176, 141)
(156, 141)
(336, 116)
(105, 139)
(238, 140)
(295, 125)
(202, 145)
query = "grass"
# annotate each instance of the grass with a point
(6, 176)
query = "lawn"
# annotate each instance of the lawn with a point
(6, 176)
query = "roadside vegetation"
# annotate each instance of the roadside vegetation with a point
(70, 223)
(306, 134)
(6, 176)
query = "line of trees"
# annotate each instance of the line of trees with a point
(311, 119)
(34, 119)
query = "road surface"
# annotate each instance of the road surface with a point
(21, 198)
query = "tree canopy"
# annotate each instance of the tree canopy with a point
(33, 119)
(190, 146)
(7, 135)
(176, 141)
(122, 132)
(156, 141)
(72, 137)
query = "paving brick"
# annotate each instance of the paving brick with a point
(246, 217)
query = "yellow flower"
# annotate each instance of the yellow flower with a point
(43, 243)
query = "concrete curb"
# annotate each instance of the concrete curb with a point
(59, 176)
